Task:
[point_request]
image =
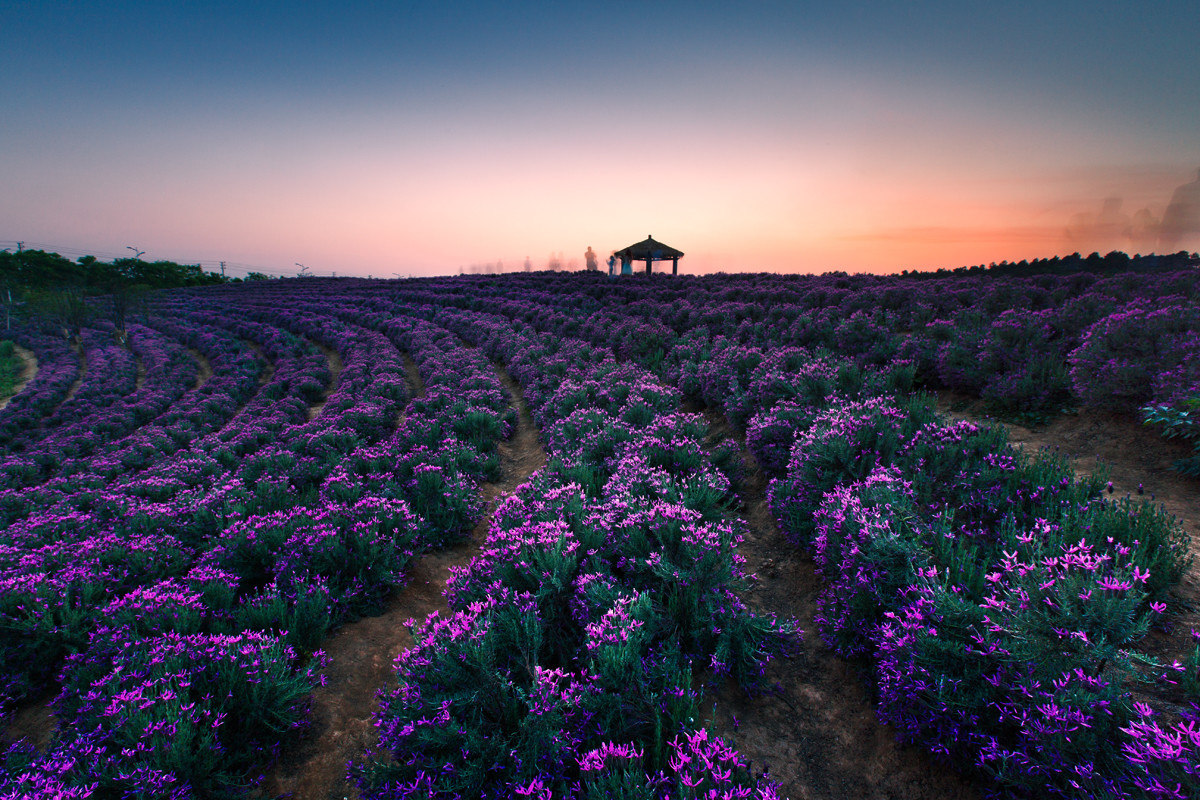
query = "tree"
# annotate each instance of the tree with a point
(65, 308)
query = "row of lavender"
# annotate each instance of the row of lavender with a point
(181, 576)
(1030, 346)
(1002, 604)
(566, 668)
(1124, 342)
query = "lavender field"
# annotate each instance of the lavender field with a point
(194, 506)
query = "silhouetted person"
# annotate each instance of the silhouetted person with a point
(589, 258)
(528, 264)
(1182, 216)
(612, 265)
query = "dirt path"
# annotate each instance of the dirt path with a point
(361, 653)
(335, 372)
(79, 351)
(819, 737)
(415, 382)
(32, 720)
(1132, 455)
(29, 368)
(204, 367)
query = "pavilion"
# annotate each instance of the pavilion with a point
(649, 251)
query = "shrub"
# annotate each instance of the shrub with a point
(473, 693)
(866, 548)
(866, 337)
(961, 365)
(1122, 356)
(771, 434)
(174, 713)
(1028, 686)
(844, 444)
(725, 379)
(1035, 391)
(1179, 423)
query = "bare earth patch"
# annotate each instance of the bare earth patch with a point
(414, 380)
(361, 653)
(32, 721)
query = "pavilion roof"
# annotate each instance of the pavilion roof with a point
(648, 248)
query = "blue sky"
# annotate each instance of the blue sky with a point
(424, 138)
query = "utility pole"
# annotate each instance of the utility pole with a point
(222, 269)
(20, 245)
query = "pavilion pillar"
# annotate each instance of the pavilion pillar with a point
(649, 261)
(675, 265)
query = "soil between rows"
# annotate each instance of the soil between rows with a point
(204, 369)
(83, 365)
(361, 653)
(336, 365)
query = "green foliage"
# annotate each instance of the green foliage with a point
(447, 503)
(641, 698)
(211, 707)
(65, 309)
(1156, 541)
(1189, 678)
(1179, 423)
(1034, 394)
(494, 711)
(300, 617)
(41, 622)
(10, 368)
(626, 781)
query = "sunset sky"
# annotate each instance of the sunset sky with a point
(421, 138)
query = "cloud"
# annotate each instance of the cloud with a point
(1181, 220)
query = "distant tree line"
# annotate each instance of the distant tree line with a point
(65, 293)
(34, 270)
(1114, 262)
